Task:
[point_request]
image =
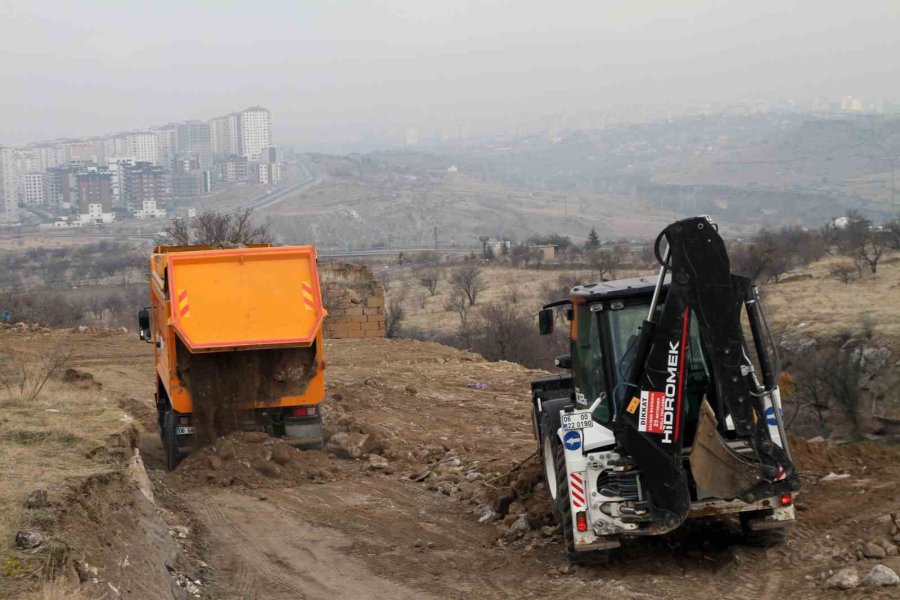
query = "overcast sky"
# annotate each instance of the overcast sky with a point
(334, 71)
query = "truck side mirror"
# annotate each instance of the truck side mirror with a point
(545, 321)
(144, 324)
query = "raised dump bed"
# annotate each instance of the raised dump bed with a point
(237, 336)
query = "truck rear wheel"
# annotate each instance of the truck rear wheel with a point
(170, 440)
(762, 538)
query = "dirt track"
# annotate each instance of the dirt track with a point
(342, 529)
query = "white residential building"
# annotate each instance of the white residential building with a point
(255, 132)
(9, 192)
(224, 135)
(166, 145)
(115, 165)
(33, 189)
(142, 145)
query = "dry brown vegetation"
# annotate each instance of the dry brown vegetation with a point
(48, 440)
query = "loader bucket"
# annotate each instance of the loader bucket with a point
(719, 471)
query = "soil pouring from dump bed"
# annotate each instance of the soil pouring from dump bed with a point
(221, 382)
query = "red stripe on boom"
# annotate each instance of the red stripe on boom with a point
(306, 287)
(686, 318)
(185, 309)
(182, 295)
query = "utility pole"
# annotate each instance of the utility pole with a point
(435, 239)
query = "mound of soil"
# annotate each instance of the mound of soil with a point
(252, 459)
(822, 456)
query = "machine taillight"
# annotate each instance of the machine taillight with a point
(581, 520)
(184, 420)
(303, 411)
(786, 499)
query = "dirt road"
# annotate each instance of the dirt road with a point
(403, 524)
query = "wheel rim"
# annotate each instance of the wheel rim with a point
(550, 467)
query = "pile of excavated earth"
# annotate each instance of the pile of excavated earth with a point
(429, 487)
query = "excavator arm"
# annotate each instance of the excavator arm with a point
(747, 461)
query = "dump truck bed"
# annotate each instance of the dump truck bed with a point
(244, 298)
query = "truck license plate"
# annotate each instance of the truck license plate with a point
(184, 430)
(579, 420)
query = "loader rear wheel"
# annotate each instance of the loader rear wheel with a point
(170, 440)
(762, 538)
(563, 511)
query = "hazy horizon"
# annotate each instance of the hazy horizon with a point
(343, 72)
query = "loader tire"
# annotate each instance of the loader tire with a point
(170, 441)
(763, 538)
(563, 510)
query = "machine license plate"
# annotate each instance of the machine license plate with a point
(184, 430)
(577, 421)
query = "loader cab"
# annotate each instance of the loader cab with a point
(605, 319)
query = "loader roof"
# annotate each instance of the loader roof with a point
(620, 288)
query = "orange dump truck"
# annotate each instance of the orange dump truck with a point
(237, 336)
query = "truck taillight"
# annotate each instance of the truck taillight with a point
(303, 411)
(786, 499)
(581, 520)
(184, 420)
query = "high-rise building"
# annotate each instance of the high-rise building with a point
(193, 137)
(144, 189)
(115, 166)
(9, 192)
(143, 146)
(95, 196)
(225, 136)
(60, 187)
(33, 189)
(255, 129)
(167, 144)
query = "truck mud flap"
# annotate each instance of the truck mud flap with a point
(718, 470)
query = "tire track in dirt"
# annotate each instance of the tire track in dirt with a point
(266, 553)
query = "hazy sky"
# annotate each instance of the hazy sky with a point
(333, 71)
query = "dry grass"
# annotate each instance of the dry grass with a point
(823, 305)
(526, 288)
(45, 442)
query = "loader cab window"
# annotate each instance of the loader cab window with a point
(588, 359)
(624, 327)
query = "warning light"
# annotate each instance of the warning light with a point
(303, 411)
(581, 520)
(786, 499)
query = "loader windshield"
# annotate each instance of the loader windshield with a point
(624, 327)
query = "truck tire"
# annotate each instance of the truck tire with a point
(762, 538)
(170, 441)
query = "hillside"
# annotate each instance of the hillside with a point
(402, 523)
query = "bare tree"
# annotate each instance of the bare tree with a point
(467, 280)
(845, 271)
(871, 247)
(212, 227)
(605, 262)
(394, 315)
(428, 279)
(459, 304)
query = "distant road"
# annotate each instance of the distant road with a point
(277, 196)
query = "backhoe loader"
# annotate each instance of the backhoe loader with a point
(670, 409)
